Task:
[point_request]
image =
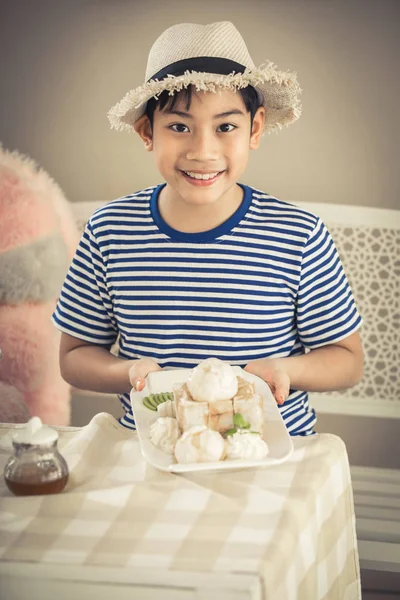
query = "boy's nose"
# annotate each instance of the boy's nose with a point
(202, 147)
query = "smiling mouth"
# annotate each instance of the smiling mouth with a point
(202, 176)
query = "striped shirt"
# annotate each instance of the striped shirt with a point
(268, 282)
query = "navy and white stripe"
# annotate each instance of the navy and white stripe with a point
(267, 282)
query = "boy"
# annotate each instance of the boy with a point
(201, 265)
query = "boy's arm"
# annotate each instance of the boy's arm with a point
(91, 367)
(333, 367)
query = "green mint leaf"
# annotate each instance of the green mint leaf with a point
(231, 431)
(239, 421)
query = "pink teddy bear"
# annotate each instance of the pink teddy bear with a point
(38, 237)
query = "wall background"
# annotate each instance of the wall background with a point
(64, 64)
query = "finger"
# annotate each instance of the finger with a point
(139, 371)
(281, 385)
(139, 383)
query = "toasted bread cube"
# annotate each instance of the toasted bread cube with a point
(188, 412)
(220, 415)
(249, 404)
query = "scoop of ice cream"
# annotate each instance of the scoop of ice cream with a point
(166, 409)
(164, 434)
(244, 444)
(200, 444)
(212, 380)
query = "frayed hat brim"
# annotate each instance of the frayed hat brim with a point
(280, 92)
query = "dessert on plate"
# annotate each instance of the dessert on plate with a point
(213, 394)
(214, 415)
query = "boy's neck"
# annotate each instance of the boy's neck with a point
(189, 218)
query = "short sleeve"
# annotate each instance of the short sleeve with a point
(326, 310)
(84, 309)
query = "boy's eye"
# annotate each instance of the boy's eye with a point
(226, 127)
(179, 127)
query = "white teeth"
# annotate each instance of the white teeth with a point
(201, 175)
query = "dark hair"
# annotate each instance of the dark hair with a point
(249, 95)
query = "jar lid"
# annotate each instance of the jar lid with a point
(35, 433)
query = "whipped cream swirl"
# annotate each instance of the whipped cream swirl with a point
(246, 445)
(164, 433)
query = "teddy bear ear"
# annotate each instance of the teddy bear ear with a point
(32, 205)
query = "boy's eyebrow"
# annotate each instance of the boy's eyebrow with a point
(187, 115)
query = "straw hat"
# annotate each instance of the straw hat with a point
(211, 58)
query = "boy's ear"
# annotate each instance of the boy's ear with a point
(257, 128)
(143, 128)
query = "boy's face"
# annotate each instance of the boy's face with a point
(202, 151)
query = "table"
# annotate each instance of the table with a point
(124, 529)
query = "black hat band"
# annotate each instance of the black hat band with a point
(203, 64)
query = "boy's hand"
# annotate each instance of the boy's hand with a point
(277, 379)
(139, 370)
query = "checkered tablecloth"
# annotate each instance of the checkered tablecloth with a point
(291, 524)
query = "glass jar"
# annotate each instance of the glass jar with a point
(37, 467)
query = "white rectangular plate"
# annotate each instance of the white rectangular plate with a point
(275, 433)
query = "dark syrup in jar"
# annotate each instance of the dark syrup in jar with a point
(33, 488)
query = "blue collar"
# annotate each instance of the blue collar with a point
(203, 236)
